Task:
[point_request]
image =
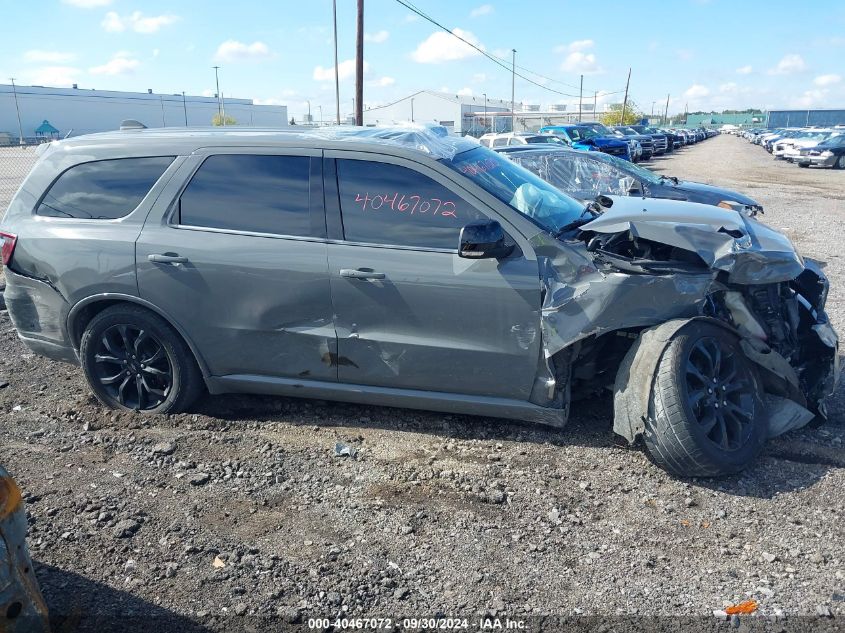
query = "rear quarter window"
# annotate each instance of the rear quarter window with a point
(102, 190)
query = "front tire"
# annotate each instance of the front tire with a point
(840, 162)
(136, 361)
(706, 414)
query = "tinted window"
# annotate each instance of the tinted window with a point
(241, 192)
(388, 204)
(102, 190)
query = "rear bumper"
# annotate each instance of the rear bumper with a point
(39, 314)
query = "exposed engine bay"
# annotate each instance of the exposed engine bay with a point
(649, 275)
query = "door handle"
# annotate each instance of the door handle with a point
(167, 259)
(361, 273)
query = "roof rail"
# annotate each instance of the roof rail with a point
(132, 124)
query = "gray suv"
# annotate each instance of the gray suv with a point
(404, 268)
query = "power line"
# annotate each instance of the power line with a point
(492, 58)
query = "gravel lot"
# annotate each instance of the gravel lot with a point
(242, 508)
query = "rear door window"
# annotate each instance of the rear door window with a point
(393, 205)
(250, 193)
(102, 190)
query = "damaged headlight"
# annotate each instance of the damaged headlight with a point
(746, 209)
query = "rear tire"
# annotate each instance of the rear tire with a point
(706, 415)
(135, 361)
(804, 164)
(840, 162)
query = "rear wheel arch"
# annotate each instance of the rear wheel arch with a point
(84, 311)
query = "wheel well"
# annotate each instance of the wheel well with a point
(86, 313)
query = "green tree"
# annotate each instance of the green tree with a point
(223, 120)
(633, 114)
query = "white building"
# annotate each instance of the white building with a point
(459, 113)
(74, 111)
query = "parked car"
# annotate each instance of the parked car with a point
(645, 140)
(586, 138)
(660, 139)
(398, 267)
(788, 149)
(585, 176)
(505, 139)
(828, 153)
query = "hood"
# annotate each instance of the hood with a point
(708, 194)
(749, 251)
(604, 141)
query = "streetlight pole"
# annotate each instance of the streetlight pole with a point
(412, 109)
(18, 110)
(320, 108)
(485, 109)
(581, 99)
(513, 90)
(309, 110)
(359, 66)
(336, 77)
(185, 108)
(217, 85)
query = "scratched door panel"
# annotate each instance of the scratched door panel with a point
(409, 312)
(253, 302)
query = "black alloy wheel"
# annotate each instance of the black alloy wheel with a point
(720, 396)
(133, 367)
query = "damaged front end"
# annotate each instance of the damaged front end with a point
(22, 608)
(643, 269)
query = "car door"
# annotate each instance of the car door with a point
(409, 312)
(237, 258)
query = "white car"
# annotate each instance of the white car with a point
(507, 139)
(790, 148)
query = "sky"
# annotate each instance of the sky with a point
(706, 54)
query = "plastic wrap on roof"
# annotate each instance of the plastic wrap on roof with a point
(434, 140)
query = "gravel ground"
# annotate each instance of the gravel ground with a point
(243, 508)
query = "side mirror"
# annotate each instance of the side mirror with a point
(483, 239)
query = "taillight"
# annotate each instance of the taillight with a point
(8, 241)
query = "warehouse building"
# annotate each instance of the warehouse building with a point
(461, 114)
(60, 112)
(803, 118)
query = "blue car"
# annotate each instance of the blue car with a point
(586, 138)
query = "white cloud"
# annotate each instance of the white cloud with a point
(484, 9)
(121, 63)
(381, 82)
(136, 21)
(464, 92)
(811, 99)
(87, 4)
(58, 76)
(441, 47)
(235, 51)
(744, 70)
(376, 38)
(479, 78)
(208, 92)
(270, 101)
(345, 70)
(684, 54)
(827, 80)
(48, 57)
(728, 87)
(577, 59)
(411, 17)
(789, 65)
(696, 91)
(156, 52)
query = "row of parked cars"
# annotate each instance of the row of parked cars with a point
(629, 142)
(804, 146)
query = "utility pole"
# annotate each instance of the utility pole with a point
(625, 101)
(336, 77)
(185, 108)
(412, 109)
(18, 110)
(513, 90)
(686, 109)
(595, 103)
(223, 110)
(666, 112)
(161, 100)
(217, 85)
(485, 109)
(581, 99)
(359, 66)
(309, 111)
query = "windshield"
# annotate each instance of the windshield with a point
(517, 187)
(641, 173)
(600, 129)
(834, 141)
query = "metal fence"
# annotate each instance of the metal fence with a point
(15, 163)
